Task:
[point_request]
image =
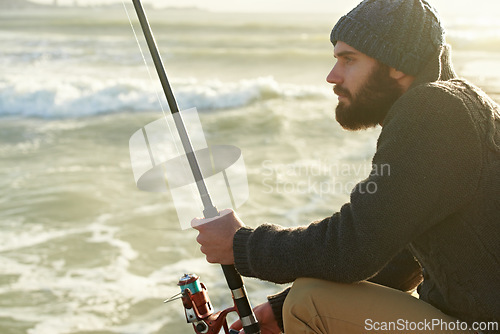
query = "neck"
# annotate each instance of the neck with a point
(405, 82)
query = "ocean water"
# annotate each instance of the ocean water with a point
(81, 249)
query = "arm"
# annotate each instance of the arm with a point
(431, 152)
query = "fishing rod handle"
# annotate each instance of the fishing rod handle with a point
(235, 283)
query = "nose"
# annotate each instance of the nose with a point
(334, 76)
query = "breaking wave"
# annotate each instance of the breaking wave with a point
(87, 96)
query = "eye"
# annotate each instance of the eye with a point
(348, 60)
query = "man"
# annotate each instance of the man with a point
(438, 208)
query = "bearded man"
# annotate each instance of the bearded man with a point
(433, 222)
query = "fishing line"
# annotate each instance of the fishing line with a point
(193, 192)
(145, 63)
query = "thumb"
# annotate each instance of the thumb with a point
(196, 222)
(237, 325)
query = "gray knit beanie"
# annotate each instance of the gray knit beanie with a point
(403, 34)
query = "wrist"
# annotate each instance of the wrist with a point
(240, 253)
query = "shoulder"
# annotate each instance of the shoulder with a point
(443, 107)
(428, 101)
(432, 117)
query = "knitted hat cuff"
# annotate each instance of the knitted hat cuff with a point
(368, 42)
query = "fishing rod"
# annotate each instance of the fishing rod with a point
(233, 278)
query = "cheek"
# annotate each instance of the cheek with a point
(355, 79)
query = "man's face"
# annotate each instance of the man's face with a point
(364, 86)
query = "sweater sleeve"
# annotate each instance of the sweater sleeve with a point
(426, 166)
(277, 302)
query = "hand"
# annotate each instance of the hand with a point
(216, 236)
(265, 316)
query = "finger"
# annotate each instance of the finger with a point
(203, 250)
(199, 239)
(234, 331)
(211, 259)
(237, 325)
(196, 222)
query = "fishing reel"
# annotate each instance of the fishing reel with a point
(198, 308)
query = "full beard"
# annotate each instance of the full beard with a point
(371, 104)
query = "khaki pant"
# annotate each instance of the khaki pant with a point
(317, 306)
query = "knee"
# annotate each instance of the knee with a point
(302, 289)
(299, 306)
(310, 305)
(304, 293)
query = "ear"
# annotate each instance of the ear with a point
(403, 79)
(395, 74)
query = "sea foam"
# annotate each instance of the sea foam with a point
(74, 97)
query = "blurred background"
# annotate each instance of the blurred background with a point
(81, 249)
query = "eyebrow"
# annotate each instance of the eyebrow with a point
(345, 53)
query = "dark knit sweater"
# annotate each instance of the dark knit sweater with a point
(439, 198)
